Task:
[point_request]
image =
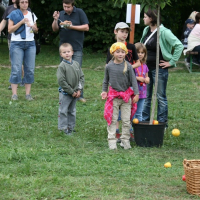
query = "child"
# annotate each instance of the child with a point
(71, 80)
(189, 26)
(121, 32)
(120, 77)
(142, 78)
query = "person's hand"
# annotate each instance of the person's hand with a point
(78, 94)
(34, 28)
(25, 21)
(147, 80)
(136, 98)
(164, 64)
(56, 15)
(141, 79)
(66, 23)
(104, 95)
(74, 94)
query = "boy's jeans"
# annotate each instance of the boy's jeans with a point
(162, 112)
(66, 112)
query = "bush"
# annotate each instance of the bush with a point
(103, 16)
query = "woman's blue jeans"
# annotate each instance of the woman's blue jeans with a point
(140, 105)
(22, 52)
(162, 109)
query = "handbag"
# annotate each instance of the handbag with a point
(37, 43)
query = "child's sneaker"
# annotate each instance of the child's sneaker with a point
(132, 139)
(112, 144)
(29, 97)
(9, 87)
(118, 136)
(67, 132)
(14, 97)
(125, 144)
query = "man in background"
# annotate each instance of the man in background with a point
(71, 23)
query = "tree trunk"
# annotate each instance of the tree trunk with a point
(157, 69)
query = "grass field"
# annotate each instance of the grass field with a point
(39, 162)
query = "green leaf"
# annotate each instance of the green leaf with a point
(162, 5)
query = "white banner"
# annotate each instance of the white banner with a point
(137, 13)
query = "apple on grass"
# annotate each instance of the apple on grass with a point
(183, 178)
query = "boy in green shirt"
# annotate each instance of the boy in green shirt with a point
(71, 80)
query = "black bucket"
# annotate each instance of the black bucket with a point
(147, 135)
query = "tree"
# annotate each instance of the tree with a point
(103, 16)
(153, 4)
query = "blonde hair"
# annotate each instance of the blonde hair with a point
(140, 46)
(193, 15)
(65, 45)
(119, 45)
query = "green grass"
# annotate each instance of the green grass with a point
(39, 162)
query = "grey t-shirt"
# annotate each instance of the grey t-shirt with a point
(75, 38)
(115, 78)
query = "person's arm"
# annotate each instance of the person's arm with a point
(13, 27)
(141, 79)
(2, 25)
(133, 81)
(69, 25)
(136, 64)
(109, 56)
(84, 27)
(55, 26)
(135, 86)
(147, 78)
(105, 80)
(35, 28)
(178, 49)
(136, 61)
(104, 93)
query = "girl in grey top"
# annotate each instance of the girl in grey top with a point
(119, 76)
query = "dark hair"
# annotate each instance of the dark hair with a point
(197, 18)
(69, 2)
(18, 1)
(10, 2)
(153, 14)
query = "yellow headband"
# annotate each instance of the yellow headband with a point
(118, 45)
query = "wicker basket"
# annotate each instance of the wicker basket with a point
(192, 175)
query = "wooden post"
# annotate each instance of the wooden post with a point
(132, 26)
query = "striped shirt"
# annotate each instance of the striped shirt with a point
(115, 78)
